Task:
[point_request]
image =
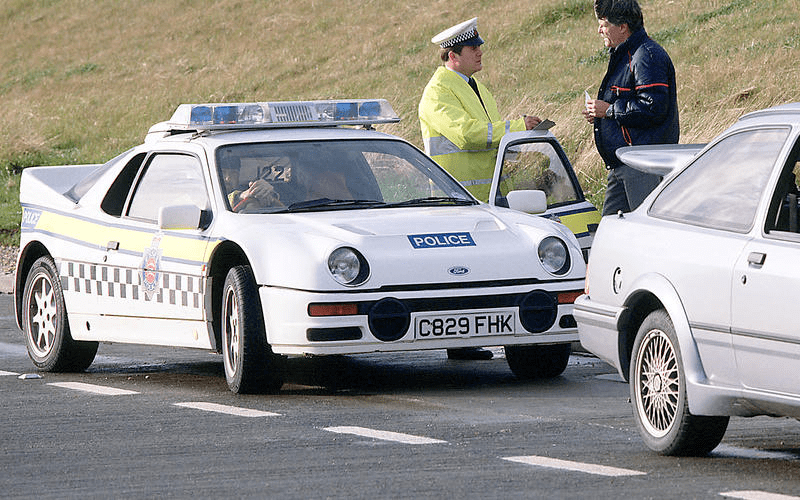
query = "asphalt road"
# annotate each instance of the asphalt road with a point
(154, 423)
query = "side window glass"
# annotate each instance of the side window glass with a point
(117, 194)
(169, 179)
(722, 188)
(536, 165)
(784, 211)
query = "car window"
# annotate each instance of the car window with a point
(722, 188)
(114, 201)
(537, 165)
(169, 179)
(76, 192)
(299, 172)
(784, 212)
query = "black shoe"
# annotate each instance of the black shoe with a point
(470, 353)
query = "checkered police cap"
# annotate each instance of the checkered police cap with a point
(465, 33)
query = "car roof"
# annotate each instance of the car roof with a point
(789, 113)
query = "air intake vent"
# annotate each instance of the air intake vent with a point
(292, 112)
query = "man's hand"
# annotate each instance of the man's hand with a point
(595, 108)
(262, 193)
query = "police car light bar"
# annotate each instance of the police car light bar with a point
(282, 114)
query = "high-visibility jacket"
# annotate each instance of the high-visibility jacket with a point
(459, 132)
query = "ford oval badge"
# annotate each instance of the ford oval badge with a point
(458, 270)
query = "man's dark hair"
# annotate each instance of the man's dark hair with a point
(444, 54)
(620, 12)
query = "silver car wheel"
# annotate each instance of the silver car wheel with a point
(230, 332)
(657, 383)
(41, 315)
(44, 321)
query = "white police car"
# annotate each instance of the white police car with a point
(265, 230)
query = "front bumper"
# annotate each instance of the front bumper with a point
(396, 318)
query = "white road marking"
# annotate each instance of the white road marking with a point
(554, 463)
(6, 374)
(94, 389)
(228, 410)
(756, 495)
(384, 435)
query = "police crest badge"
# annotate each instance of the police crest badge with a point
(150, 276)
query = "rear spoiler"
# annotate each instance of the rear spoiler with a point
(658, 159)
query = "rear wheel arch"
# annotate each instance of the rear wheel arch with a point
(28, 256)
(637, 307)
(653, 291)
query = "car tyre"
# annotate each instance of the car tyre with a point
(658, 393)
(529, 362)
(44, 320)
(250, 365)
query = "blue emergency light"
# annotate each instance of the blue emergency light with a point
(282, 114)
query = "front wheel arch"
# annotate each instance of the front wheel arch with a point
(249, 363)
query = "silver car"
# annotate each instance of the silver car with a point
(692, 296)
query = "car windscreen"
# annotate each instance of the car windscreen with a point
(332, 174)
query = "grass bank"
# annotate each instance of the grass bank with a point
(83, 80)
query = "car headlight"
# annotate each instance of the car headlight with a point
(554, 255)
(348, 267)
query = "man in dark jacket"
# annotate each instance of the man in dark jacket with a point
(637, 102)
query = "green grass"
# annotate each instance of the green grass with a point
(81, 81)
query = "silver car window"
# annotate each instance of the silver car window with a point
(722, 188)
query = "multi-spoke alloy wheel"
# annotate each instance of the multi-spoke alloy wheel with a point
(42, 316)
(44, 319)
(657, 385)
(658, 393)
(250, 365)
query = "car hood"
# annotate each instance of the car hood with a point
(402, 246)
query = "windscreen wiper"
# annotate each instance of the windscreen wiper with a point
(433, 200)
(301, 206)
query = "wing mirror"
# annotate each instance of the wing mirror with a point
(530, 201)
(179, 217)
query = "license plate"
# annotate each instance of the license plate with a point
(496, 322)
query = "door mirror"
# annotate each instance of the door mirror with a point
(530, 201)
(179, 217)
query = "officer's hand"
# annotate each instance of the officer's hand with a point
(531, 121)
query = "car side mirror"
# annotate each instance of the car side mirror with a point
(530, 201)
(179, 217)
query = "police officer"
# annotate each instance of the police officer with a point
(461, 127)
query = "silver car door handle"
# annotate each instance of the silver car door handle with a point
(756, 258)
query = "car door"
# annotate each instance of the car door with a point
(156, 276)
(535, 160)
(766, 332)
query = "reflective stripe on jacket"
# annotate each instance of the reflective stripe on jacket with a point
(459, 133)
